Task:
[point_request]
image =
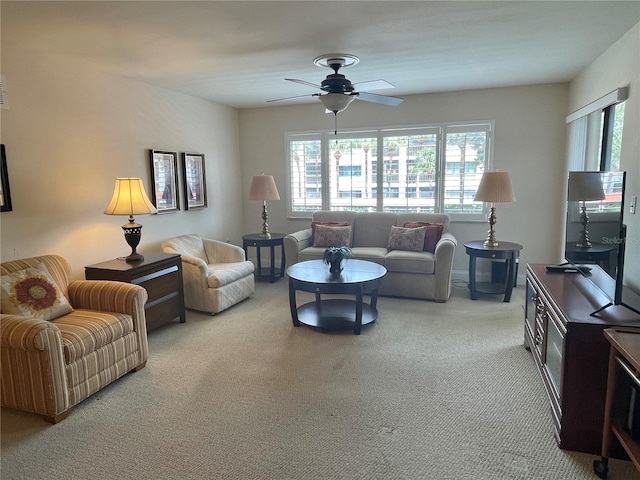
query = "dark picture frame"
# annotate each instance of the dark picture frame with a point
(5, 191)
(194, 180)
(164, 180)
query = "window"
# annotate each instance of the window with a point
(595, 133)
(612, 122)
(434, 168)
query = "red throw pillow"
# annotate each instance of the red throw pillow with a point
(328, 224)
(434, 232)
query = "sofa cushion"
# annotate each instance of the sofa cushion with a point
(411, 239)
(32, 292)
(221, 274)
(410, 262)
(371, 229)
(85, 331)
(328, 224)
(371, 254)
(328, 236)
(432, 236)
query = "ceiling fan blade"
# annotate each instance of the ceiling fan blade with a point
(297, 96)
(373, 85)
(303, 82)
(382, 99)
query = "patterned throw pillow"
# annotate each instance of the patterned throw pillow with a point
(432, 237)
(330, 224)
(33, 293)
(411, 239)
(326, 236)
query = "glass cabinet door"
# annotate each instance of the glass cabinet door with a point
(530, 311)
(553, 354)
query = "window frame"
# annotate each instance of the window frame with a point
(440, 130)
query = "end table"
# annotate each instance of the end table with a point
(255, 240)
(507, 251)
(159, 273)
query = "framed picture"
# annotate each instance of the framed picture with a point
(5, 192)
(164, 184)
(194, 180)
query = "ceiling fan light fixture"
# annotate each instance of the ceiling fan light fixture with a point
(336, 102)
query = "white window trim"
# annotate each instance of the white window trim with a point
(440, 129)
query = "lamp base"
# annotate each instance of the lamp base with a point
(265, 227)
(491, 241)
(134, 257)
(132, 234)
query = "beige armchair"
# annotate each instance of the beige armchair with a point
(216, 274)
(71, 338)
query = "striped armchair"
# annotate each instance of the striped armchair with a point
(48, 366)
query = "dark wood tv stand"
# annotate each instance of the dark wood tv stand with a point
(571, 352)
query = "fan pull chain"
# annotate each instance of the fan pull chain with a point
(335, 116)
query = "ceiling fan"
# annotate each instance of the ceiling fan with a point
(338, 91)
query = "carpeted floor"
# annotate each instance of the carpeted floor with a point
(430, 391)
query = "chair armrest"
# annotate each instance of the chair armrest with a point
(222, 252)
(107, 296)
(26, 333)
(195, 261)
(443, 255)
(294, 243)
(33, 368)
(119, 297)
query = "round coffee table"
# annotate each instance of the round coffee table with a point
(357, 278)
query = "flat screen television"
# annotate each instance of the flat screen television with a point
(596, 235)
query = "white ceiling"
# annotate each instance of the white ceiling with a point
(238, 53)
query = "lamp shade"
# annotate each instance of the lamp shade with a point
(336, 102)
(495, 187)
(263, 187)
(129, 198)
(585, 186)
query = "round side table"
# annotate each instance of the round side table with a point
(507, 251)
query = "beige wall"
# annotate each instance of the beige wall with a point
(530, 136)
(71, 130)
(619, 67)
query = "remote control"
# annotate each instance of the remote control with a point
(562, 268)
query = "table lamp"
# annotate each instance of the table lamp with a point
(495, 187)
(585, 187)
(129, 198)
(263, 187)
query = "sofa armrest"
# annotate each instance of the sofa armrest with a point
(294, 243)
(33, 368)
(222, 252)
(443, 255)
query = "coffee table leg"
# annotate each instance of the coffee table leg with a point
(374, 298)
(358, 326)
(292, 303)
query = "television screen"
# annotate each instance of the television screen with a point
(594, 240)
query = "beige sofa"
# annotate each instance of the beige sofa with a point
(71, 338)
(412, 274)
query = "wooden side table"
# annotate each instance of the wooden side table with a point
(624, 375)
(255, 240)
(506, 251)
(159, 273)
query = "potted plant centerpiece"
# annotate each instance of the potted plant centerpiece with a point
(333, 256)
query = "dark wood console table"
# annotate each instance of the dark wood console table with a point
(159, 273)
(571, 351)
